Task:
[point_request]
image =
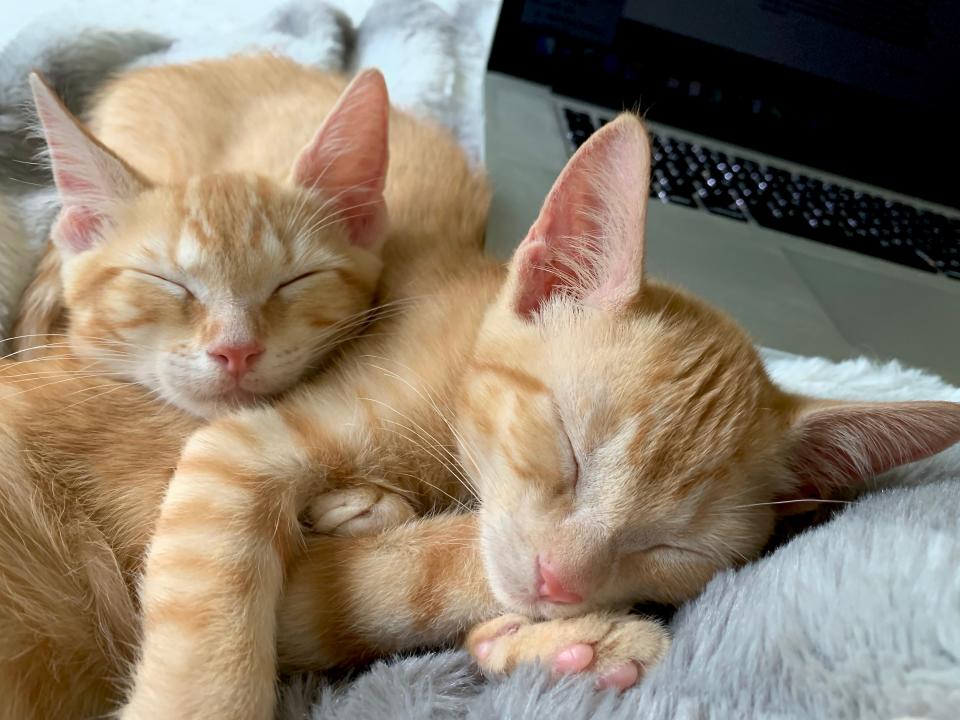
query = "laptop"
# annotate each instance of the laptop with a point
(805, 155)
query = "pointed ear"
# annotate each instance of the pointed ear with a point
(91, 180)
(347, 159)
(588, 241)
(836, 446)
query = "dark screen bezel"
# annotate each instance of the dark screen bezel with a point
(762, 105)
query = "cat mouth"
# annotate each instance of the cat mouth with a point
(236, 395)
(232, 396)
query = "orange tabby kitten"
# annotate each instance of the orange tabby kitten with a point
(235, 158)
(217, 280)
(263, 239)
(622, 438)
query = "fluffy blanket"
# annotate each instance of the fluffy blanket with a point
(858, 618)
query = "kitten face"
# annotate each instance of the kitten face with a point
(219, 292)
(624, 438)
(606, 441)
(227, 287)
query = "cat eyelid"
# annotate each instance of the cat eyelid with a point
(576, 460)
(163, 279)
(573, 452)
(675, 548)
(298, 278)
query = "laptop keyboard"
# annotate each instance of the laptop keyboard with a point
(743, 190)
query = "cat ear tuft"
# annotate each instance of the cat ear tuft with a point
(836, 446)
(347, 158)
(91, 180)
(588, 241)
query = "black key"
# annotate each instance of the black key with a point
(704, 178)
(719, 201)
(579, 126)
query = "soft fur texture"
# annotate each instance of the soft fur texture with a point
(526, 696)
(212, 273)
(80, 481)
(433, 54)
(854, 620)
(16, 266)
(620, 437)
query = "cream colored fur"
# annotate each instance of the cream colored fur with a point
(85, 457)
(619, 435)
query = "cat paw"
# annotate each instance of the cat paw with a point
(365, 510)
(616, 649)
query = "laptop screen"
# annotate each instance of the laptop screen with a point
(863, 88)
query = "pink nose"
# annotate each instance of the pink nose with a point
(549, 587)
(236, 359)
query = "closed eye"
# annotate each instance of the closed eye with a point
(165, 282)
(297, 279)
(576, 463)
(674, 549)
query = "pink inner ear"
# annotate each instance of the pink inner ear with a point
(846, 445)
(76, 228)
(536, 282)
(346, 161)
(90, 179)
(588, 240)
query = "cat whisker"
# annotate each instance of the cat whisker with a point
(430, 400)
(731, 549)
(789, 502)
(113, 388)
(328, 201)
(49, 384)
(430, 450)
(68, 336)
(457, 502)
(27, 377)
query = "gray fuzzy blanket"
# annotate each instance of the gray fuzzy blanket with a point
(859, 618)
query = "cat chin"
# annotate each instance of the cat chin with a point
(211, 406)
(542, 610)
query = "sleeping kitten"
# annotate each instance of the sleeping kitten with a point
(215, 281)
(621, 437)
(85, 455)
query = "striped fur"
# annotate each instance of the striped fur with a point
(238, 224)
(619, 431)
(628, 435)
(85, 457)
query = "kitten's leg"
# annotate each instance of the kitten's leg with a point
(423, 585)
(617, 648)
(229, 527)
(349, 600)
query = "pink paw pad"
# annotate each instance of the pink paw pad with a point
(573, 659)
(482, 649)
(620, 678)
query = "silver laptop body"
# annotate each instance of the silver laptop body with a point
(791, 293)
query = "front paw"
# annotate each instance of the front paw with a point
(364, 510)
(616, 649)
